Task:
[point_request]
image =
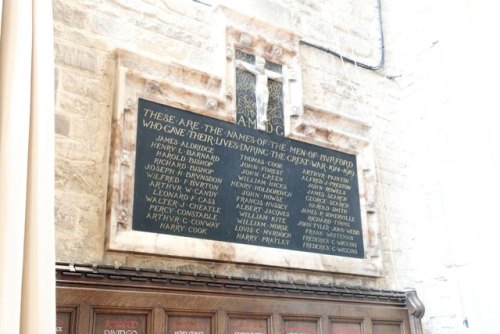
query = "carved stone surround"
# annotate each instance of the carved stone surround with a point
(212, 94)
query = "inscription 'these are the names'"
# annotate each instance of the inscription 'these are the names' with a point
(204, 178)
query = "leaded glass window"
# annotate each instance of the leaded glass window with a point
(259, 93)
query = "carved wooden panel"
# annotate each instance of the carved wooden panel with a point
(182, 323)
(123, 301)
(295, 326)
(339, 327)
(119, 322)
(65, 320)
(387, 328)
(248, 324)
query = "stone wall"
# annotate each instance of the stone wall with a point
(87, 34)
(398, 102)
(445, 243)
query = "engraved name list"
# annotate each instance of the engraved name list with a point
(204, 178)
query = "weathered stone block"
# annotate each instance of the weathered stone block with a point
(77, 221)
(67, 14)
(70, 149)
(83, 177)
(139, 6)
(77, 105)
(106, 25)
(93, 87)
(84, 59)
(97, 128)
(168, 30)
(65, 213)
(80, 37)
(62, 125)
(269, 11)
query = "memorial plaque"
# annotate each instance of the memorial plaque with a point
(204, 178)
(300, 327)
(188, 325)
(107, 323)
(248, 326)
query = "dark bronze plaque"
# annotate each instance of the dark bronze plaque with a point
(188, 325)
(204, 178)
(120, 324)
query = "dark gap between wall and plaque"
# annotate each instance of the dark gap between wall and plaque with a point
(204, 178)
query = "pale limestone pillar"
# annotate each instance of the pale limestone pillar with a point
(27, 298)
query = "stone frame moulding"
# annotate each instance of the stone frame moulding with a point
(212, 94)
